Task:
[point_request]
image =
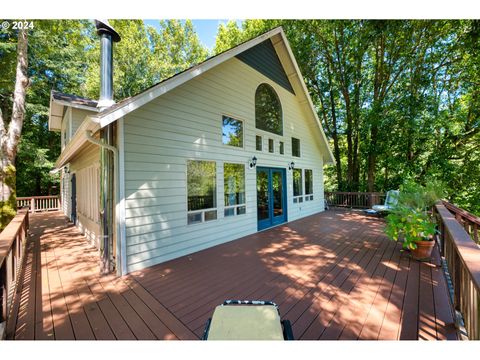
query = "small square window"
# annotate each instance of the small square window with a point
(281, 148)
(241, 210)
(194, 218)
(210, 215)
(295, 147)
(271, 146)
(258, 142)
(230, 212)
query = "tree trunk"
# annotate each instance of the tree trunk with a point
(10, 138)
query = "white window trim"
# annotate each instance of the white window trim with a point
(243, 131)
(261, 137)
(223, 191)
(308, 197)
(298, 199)
(216, 194)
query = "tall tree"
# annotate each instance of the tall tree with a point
(10, 132)
(397, 99)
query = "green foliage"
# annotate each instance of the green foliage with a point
(409, 225)
(64, 55)
(145, 56)
(420, 198)
(398, 99)
(8, 207)
(410, 219)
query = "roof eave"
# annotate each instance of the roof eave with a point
(78, 140)
(110, 115)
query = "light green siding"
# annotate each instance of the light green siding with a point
(88, 156)
(186, 123)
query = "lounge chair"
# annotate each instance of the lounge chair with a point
(247, 320)
(390, 201)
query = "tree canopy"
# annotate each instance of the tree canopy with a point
(64, 56)
(398, 99)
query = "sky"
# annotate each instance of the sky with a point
(206, 29)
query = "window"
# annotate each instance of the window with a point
(297, 186)
(308, 185)
(258, 142)
(281, 148)
(295, 147)
(234, 189)
(271, 146)
(268, 110)
(232, 132)
(201, 189)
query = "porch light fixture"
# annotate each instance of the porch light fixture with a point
(291, 166)
(253, 162)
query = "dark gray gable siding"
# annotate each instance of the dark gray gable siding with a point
(264, 59)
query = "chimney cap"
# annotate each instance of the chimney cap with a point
(103, 27)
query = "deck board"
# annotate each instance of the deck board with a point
(334, 275)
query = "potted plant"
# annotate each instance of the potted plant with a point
(411, 221)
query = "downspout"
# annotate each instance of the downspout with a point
(114, 150)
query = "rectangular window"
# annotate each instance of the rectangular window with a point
(234, 189)
(232, 132)
(295, 147)
(271, 146)
(281, 148)
(258, 142)
(308, 185)
(297, 185)
(201, 190)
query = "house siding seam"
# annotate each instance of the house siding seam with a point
(264, 59)
(185, 124)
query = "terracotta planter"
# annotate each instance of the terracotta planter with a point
(423, 250)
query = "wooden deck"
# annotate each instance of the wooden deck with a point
(334, 275)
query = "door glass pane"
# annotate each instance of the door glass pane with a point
(262, 195)
(277, 190)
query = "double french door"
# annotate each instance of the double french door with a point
(271, 197)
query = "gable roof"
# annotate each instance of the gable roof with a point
(285, 56)
(58, 102)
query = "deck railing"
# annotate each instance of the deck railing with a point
(12, 247)
(39, 203)
(470, 222)
(361, 200)
(462, 255)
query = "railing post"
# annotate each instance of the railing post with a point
(32, 205)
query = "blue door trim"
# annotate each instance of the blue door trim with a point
(273, 220)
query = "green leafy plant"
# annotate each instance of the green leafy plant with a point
(410, 220)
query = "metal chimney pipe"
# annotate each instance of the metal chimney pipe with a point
(108, 36)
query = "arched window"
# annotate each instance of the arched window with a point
(268, 110)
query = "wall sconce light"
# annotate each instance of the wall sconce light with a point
(66, 170)
(291, 166)
(253, 162)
